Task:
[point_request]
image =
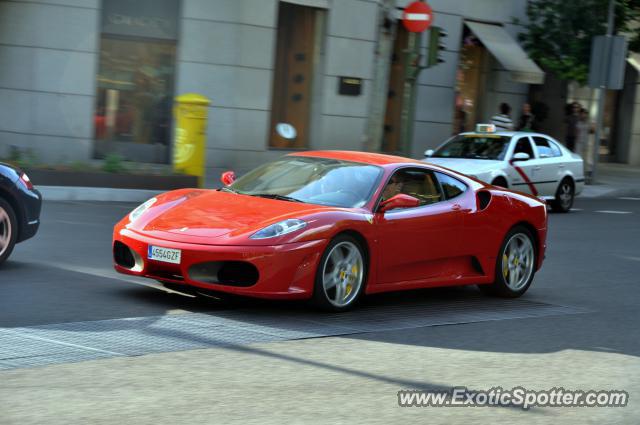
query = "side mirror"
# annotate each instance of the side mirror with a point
(398, 201)
(228, 177)
(428, 153)
(521, 156)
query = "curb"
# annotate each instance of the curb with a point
(607, 191)
(106, 194)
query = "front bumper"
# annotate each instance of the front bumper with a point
(285, 271)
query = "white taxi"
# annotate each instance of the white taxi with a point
(533, 163)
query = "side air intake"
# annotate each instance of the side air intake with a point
(484, 198)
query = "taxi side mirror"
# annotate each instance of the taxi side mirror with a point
(228, 177)
(521, 156)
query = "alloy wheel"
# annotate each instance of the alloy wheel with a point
(5, 231)
(343, 274)
(566, 195)
(517, 261)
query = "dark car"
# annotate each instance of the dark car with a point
(20, 207)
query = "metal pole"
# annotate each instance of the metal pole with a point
(379, 93)
(408, 97)
(602, 93)
(412, 69)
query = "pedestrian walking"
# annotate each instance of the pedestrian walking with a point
(527, 121)
(571, 121)
(502, 121)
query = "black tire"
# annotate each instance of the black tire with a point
(321, 298)
(500, 287)
(565, 194)
(500, 182)
(8, 227)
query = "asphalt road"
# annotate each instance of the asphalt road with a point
(64, 276)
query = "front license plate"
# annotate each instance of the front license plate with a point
(166, 255)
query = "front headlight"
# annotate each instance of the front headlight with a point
(133, 215)
(279, 229)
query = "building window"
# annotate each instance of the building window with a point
(135, 81)
(296, 53)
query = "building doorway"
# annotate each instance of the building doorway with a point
(297, 50)
(470, 83)
(610, 131)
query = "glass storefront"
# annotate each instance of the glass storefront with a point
(135, 81)
(469, 83)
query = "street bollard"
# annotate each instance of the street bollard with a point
(189, 149)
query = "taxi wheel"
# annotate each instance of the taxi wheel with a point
(8, 230)
(515, 265)
(564, 196)
(341, 275)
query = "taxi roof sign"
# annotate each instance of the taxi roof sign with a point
(485, 128)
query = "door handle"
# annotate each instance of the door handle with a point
(456, 207)
(537, 168)
(561, 165)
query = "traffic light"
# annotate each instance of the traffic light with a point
(436, 45)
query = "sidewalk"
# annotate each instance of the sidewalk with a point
(613, 180)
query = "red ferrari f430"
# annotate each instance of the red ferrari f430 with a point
(331, 226)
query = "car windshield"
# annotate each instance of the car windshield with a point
(474, 147)
(312, 180)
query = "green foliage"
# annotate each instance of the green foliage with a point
(113, 164)
(23, 158)
(559, 33)
(80, 166)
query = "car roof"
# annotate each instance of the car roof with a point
(362, 157)
(504, 133)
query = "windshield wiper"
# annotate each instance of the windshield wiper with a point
(276, 196)
(228, 189)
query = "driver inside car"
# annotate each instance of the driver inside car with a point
(392, 188)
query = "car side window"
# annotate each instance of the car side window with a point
(545, 148)
(419, 183)
(524, 145)
(451, 187)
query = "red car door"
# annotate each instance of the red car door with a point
(416, 243)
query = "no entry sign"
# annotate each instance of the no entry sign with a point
(417, 17)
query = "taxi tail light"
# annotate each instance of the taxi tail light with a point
(26, 181)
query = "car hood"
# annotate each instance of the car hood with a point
(467, 166)
(202, 215)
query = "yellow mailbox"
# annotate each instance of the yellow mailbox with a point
(189, 147)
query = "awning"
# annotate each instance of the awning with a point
(634, 60)
(322, 4)
(508, 52)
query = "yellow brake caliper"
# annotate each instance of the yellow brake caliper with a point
(505, 265)
(354, 272)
